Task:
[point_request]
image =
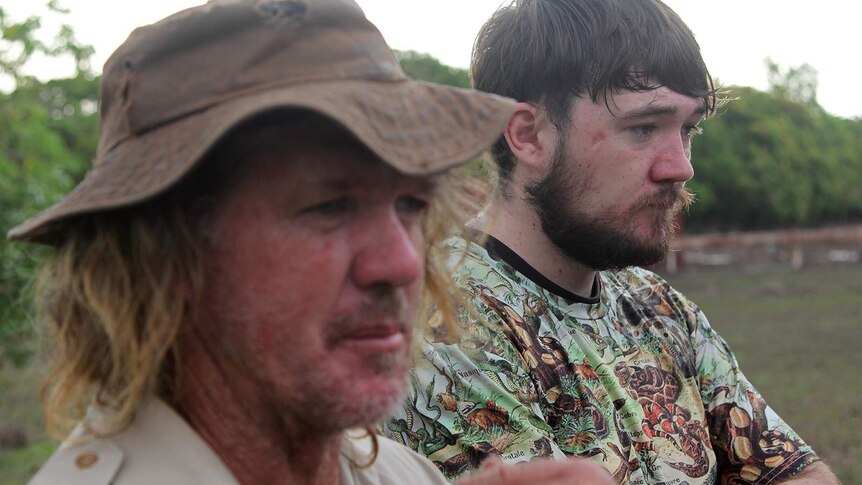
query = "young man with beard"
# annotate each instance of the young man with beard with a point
(233, 286)
(568, 348)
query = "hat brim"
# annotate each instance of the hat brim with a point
(416, 127)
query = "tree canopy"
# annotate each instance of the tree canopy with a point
(777, 159)
(48, 132)
(426, 68)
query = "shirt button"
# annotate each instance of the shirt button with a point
(86, 460)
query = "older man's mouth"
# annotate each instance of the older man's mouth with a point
(382, 337)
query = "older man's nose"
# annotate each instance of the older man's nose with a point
(390, 254)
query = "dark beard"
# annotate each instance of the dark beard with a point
(599, 242)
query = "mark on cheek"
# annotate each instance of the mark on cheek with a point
(597, 137)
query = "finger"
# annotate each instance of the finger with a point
(546, 472)
(564, 471)
(492, 462)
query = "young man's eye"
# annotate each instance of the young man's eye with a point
(643, 130)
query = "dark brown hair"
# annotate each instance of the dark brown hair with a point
(547, 52)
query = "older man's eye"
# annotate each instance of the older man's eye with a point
(334, 207)
(411, 205)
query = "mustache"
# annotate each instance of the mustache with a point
(675, 199)
(384, 308)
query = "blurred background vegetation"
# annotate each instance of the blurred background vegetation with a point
(771, 159)
(48, 134)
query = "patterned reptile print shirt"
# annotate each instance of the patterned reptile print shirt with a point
(633, 378)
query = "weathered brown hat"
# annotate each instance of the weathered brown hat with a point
(174, 88)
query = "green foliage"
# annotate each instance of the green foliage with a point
(777, 159)
(48, 133)
(427, 68)
(797, 84)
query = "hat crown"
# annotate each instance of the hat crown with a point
(202, 56)
(177, 87)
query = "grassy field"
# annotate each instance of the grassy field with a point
(797, 335)
(20, 411)
(798, 338)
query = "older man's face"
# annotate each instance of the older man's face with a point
(314, 275)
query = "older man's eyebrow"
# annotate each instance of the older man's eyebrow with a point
(341, 183)
(428, 183)
(338, 182)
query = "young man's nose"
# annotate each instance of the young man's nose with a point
(673, 162)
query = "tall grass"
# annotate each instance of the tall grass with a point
(798, 338)
(21, 414)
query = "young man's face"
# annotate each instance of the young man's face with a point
(314, 276)
(618, 178)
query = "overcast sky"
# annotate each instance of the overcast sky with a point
(736, 36)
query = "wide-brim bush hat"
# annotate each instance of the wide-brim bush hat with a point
(173, 89)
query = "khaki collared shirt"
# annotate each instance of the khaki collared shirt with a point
(159, 447)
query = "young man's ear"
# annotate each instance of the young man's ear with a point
(531, 136)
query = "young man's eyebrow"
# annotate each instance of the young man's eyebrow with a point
(656, 111)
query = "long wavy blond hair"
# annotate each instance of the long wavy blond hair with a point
(110, 298)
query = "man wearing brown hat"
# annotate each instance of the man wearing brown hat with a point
(232, 287)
